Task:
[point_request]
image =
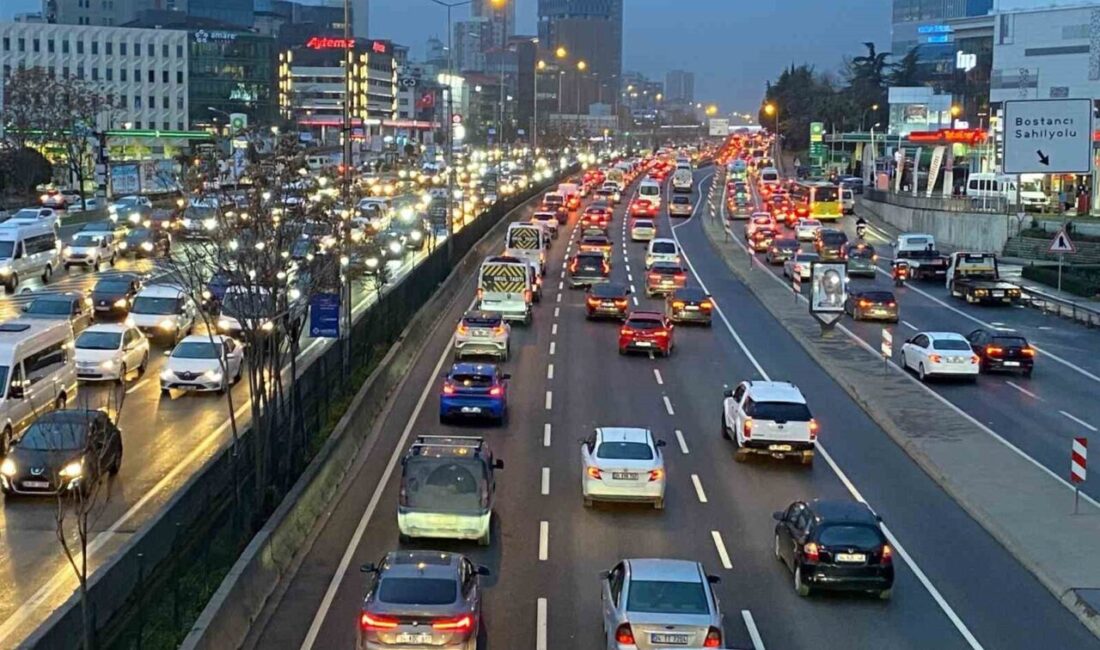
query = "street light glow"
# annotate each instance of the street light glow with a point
(581, 65)
(769, 109)
(561, 52)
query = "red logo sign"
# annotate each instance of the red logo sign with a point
(949, 136)
(330, 43)
(378, 47)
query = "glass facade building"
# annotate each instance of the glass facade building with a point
(231, 12)
(232, 72)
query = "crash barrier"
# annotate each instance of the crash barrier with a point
(156, 585)
(957, 230)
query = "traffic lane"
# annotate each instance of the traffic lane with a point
(975, 575)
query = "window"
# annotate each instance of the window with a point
(80, 47)
(164, 103)
(179, 51)
(179, 76)
(7, 43)
(179, 126)
(22, 43)
(47, 360)
(34, 45)
(122, 48)
(179, 102)
(95, 74)
(150, 50)
(95, 47)
(164, 76)
(80, 71)
(152, 103)
(121, 98)
(167, 125)
(110, 48)
(40, 243)
(65, 72)
(49, 45)
(137, 102)
(164, 50)
(122, 74)
(152, 76)
(137, 124)
(137, 75)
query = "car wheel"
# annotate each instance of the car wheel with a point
(885, 594)
(725, 429)
(12, 283)
(164, 392)
(47, 274)
(799, 587)
(1027, 373)
(144, 365)
(904, 365)
(920, 372)
(857, 314)
(6, 442)
(121, 375)
(116, 464)
(59, 403)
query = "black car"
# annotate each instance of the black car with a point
(834, 545)
(1002, 351)
(831, 245)
(689, 305)
(587, 269)
(113, 295)
(147, 242)
(63, 450)
(782, 249)
(72, 306)
(607, 301)
(392, 244)
(872, 305)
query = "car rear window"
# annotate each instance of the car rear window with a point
(417, 591)
(848, 535)
(778, 411)
(664, 247)
(656, 597)
(860, 253)
(787, 243)
(950, 344)
(643, 324)
(682, 200)
(624, 451)
(471, 379)
(643, 223)
(877, 296)
(691, 295)
(608, 291)
(834, 238)
(1010, 341)
(481, 321)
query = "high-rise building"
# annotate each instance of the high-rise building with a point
(921, 23)
(115, 12)
(679, 87)
(241, 13)
(472, 38)
(590, 31)
(360, 18)
(502, 19)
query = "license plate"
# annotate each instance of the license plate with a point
(38, 485)
(481, 333)
(1012, 364)
(779, 447)
(643, 344)
(691, 308)
(471, 409)
(669, 639)
(998, 294)
(851, 557)
(405, 637)
(624, 476)
(608, 304)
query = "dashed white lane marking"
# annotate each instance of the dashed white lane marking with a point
(680, 439)
(544, 540)
(563, 274)
(698, 488)
(657, 376)
(557, 311)
(908, 324)
(550, 371)
(540, 624)
(721, 546)
(549, 399)
(1079, 421)
(754, 634)
(1023, 390)
(554, 329)
(634, 298)
(136, 386)
(546, 480)
(629, 277)
(546, 435)
(561, 285)
(553, 347)
(559, 297)
(668, 405)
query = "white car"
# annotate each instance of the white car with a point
(807, 229)
(623, 464)
(945, 354)
(616, 191)
(662, 250)
(89, 249)
(799, 264)
(203, 363)
(549, 220)
(110, 352)
(769, 418)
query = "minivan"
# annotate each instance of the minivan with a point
(27, 250)
(163, 312)
(651, 191)
(988, 186)
(37, 372)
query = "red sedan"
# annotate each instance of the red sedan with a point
(642, 208)
(646, 331)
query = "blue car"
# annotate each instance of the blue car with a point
(474, 390)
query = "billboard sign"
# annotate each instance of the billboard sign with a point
(828, 291)
(125, 179)
(719, 127)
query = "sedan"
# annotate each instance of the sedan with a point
(759, 220)
(646, 331)
(606, 301)
(643, 208)
(474, 390)
(587, 269)
(623, 464)
(63, 451)
(660, 603)
(940, 353)
(680, 206)
(203, 363)
(110, 351)
(689, 304)
(761, 240)
(872, 305)
(807, 229)
(595, 244)
(799, 265)
(781, 250)
(113, 295)
(642, 230)
(146, 242)
(664, 277)
(1002, 351)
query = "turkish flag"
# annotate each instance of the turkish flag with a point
(427, 100)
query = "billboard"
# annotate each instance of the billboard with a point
(719, 127)
(125, 179)
(828, 291)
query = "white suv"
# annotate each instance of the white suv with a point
(769, 418)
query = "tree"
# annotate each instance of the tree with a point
(866, 76)
(905, 72)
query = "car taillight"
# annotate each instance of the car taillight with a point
(974, 359)
(496, 391)
(812, 552)
(655, 276)
(813, 429)
(714, 638)
(623, 634)
(498, 330)
(661, 333)
(448, 389)
(626, 331)
(621, 302)
(527, 295)
(891, 304)
(594, 472)
(706, 305)
(887, 555)
(606, 267)
(746, 428)
(460, 624)
(573, 266)
(864, 303)
(935, 358)
(368, 622)
(462, 329)
(677, 304)
(480, 294)
(656, 474)
(993, 350)
(1027, 352)
(592, 302)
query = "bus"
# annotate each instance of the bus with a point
(820, 198)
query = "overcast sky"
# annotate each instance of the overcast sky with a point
(733, 46)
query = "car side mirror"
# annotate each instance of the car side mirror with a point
(727, 393)
(713, 579)
(908, 340)
(604, 575)
(483, 570)
(369, 567)
(498, 464)
(778, 515)
(661, 443)
(16, 392)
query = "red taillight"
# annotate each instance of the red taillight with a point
(813, 429)
(811, 552)
(656, 474)
(706, 305)
(714, 638)
(746, 428)
(460, 624)
(480, 294)
(527, 295)
(594, 472)
(626, 331)
(661, 333)
(864, 303)
(974, 359)
(573, 266)
(935, 358)
(448, 389)
(593, 302)
(677, 304)
(887, 554)
(655, 277)
(462, 329)
(1027, 352)
(623, 634)
(606, 267)
(621, 302)
(993, 350)
(496, 391)
(369, 621)
(891, 304)
(498, 330)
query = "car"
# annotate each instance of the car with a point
(606, 300)
(623, 464)
(89, 250)
(761, 239)
(587, 269)
(615, 192)
(474, 390)
(72, 306)
(63, 451)
(660, 603)
(861, 259)
(834, 545)
(759, 220)
(664, 277)
(662, 250)
(642, 230)
(646, 331)
(448, 485)
(596, 216)
(872, 305)
(689, 305)
(164, 313)
(769, 418)
(799, 265)
(642, 208)
(203, 363)
(1002, 351)
(34, 215)
(421, 599)
(549, 220)
(59, 199)
(595, 244)
(831, 245)
(113, 294)
(554, 200)
(482, 333)
(680, 206)
(146, 242)
(940, 353)
(607, 195)
(806, 229)
(132, 208)
(110, 351)
(781, 250)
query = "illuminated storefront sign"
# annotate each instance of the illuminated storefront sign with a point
(330, 43)
(949, 136)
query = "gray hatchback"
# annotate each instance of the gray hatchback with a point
(657, 603)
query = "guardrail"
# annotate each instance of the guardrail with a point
(995, 205)
(1061, 307)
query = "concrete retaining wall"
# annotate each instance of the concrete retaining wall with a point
(957, 230)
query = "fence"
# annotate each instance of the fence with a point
(994, 205)
(151, 592)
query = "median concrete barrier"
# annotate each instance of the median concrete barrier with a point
(959, 230)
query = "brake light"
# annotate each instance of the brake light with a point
(573, 265)
(974, 359)
(621, 302)
(678, 304)
(527, 295)
(656, 475)
(498, 330)
(654, 276)
(746, 428)
(935, 358)
(369, 622)
(887, 555)
(460, 624)
(462, 329)
(1027, 352)
(592, 302)
(605, 266)
(480, 294)
(812, 552)
(661, 333)
(623, 634)
(993, 350)
(496, 391)
(813, 429)
(864, 303)
(706, 304)
(448, 389)
(714, 638)
(891, 304)
(594, 472)
(626, 331)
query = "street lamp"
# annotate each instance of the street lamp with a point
(539, 67)
(863, 116)
(956, 111)
(712, 110)
(561, 52)
(773, 109)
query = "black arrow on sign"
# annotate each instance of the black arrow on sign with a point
(1043, 160)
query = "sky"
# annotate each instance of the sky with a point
(733, 46)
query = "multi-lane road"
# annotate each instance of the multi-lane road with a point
(956, 586)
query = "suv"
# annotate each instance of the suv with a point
(831, 245)
(448, 484)
(587, 269)
(770, 418)
(482, 332)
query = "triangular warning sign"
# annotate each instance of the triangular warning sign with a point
(1061, 243)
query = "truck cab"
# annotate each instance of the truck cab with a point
(976, 278)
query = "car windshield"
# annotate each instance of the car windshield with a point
(197, 350)
(140, 234)
(624, 451)
(443, 484)
(66, 433)
(660, 597)
(127, 202)
(950, 344)
(87, 239)
(778, 411)
(151, 305)
(50, 307)
(99, 341)
(417, 591)
(608, 291)
(27, 213)
(856, 252)
(664, 248)
(111, 286)
(847, 535)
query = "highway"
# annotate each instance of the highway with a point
(956, 586)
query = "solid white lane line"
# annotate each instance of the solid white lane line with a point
(680, 439)
(668, 405)
(1079, 421)
(657, 376)
(554, 329)
(721, 546)
(549, 399)
(550, 371)
(1023, 390)
(553, 347)
(557, 311)
(136, 386)
(546, 480)
(544, 540)
(908, 324)
(698, 488)
(546, 435)
(540, 624)
(754, 634)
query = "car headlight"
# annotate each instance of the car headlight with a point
(395, 247)
(7, 468)
(73, 469)
(212, 375)
(209, 223)
(5, 270)
(186, 223)
(206, 295)
(68, 250)
(123, 245)
(224, 324)
(267, 326)
(416, 235)
(167, 324)
(122, 303)
(107, 365)
(146, 246)
(165, 375)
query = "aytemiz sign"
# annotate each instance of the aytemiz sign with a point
(1048, 136)
(948, 136)
(330, 43)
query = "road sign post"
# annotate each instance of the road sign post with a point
(796, 284)
(1061, 244)
(1078, 467)
(1048, 136)
(887, 349)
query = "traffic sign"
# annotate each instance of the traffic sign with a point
(324, 315)
(1048, 136)
(1079, 460)
(887, 346)
(1061, 243)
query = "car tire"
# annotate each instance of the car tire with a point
(885, 594)
(144, 365)
(857, 314)
(921, 373)
(800, 588)
(5, 443)
(12, 283)
(778, 555)
(659, 504)
(116, 464)
(47, 274)
(60, 402)
(121, 374)
(904, 365)
(1027, 373)
(164, 392)
(725, 430)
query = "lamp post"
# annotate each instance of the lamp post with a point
(773, 109)
(581, 67)
(539, 67)
(560, 54)
(863, 116)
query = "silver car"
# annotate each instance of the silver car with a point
(649, 604)
(482, 333)
(799, 265)
(623, 464)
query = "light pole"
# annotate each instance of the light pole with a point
(863, 116)
(539, 67)
(581, 67)
(773, 109)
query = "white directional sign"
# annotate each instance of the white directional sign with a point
(1048, 136)
(1061, 243)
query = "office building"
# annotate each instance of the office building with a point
(502, 20)
(239, 13)
(472, 38)
(360, 18)
(679, 87)
(1046, 53)
(107, 13)
(590, 31)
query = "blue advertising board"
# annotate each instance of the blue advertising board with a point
(324, 315)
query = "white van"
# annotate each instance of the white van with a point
(769, 177)
(682, 180)
(527, 241)
(504, 287)
(37, 372)
(27, 250)
(986, 185)
(662, 250)
(163, 312)
(650, 190)
(847, 201)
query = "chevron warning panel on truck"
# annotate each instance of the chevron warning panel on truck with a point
(523, 237)
(504, 287)
(504, 277)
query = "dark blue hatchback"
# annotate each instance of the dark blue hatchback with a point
(474, 390)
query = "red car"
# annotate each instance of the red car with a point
(642, 208)
(573, 202)
(793, 216)
(596, 217)
(646, 331)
